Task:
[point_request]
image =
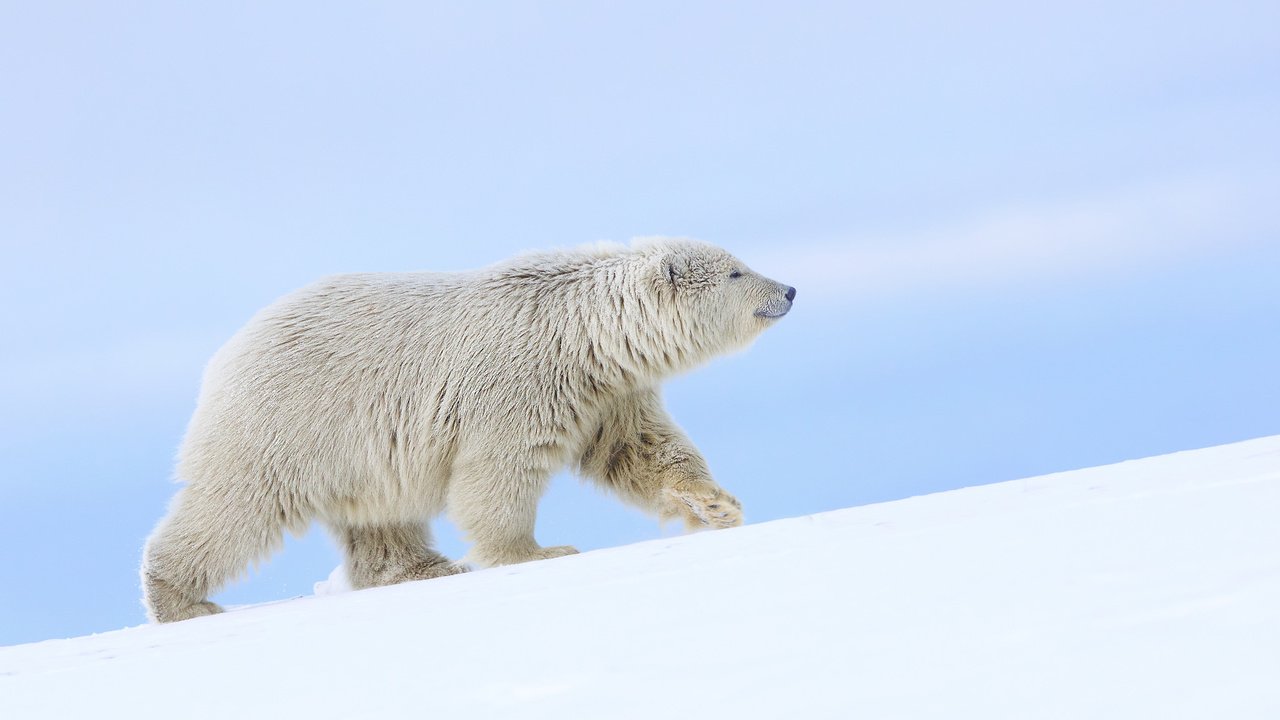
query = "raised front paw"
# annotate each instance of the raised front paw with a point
(701, 506)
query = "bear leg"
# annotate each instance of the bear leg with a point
(640, 454)
(389, 554)
(498, 516)
(206, 539)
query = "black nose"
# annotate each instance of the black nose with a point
(791, 293)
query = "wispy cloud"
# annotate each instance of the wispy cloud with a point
(1121, 231)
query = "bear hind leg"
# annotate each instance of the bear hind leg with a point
(205, 540)
(389, 554)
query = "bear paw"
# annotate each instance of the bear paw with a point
(187, 612)
(428, 571)
(702, 506)
(489, 557)
(554, 551)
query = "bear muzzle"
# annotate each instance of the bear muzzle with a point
(778, 306)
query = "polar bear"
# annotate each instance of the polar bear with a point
(374, 402)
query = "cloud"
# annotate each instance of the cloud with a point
(1121, 231)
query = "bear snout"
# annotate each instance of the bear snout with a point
(778, 306)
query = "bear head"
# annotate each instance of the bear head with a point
(707, 301)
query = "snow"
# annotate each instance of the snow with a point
(1147, 589)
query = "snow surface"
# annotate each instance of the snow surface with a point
(1148, 589)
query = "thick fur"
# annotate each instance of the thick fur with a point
(374, 402)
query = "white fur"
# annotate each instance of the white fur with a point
(374, 402)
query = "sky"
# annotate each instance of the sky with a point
(1026, 239)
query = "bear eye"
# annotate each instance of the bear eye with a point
(735, 274)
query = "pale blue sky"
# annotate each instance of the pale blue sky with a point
(1025, 239)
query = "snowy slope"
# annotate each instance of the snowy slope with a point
(1148, 589)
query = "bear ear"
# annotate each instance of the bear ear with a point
(674, 267)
